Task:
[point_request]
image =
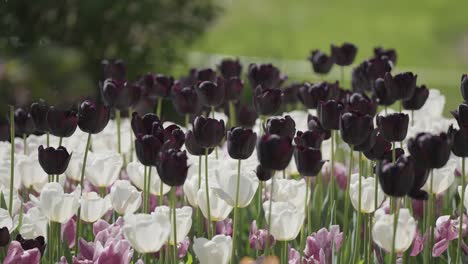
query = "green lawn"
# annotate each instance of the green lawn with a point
(431, 37)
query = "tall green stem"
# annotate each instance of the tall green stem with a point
(145, 183)
(48, 139)
(187, 120)
(306, 211)
(462, 199)
(396, 214)
(159, 107)
(117, 121)
(148, 185)
(267, 249)
(358, 227)
(332, 169)
(173, 196)
(207, 194)
(346, 212)
(232, 114)
(25, 145)
(236, 220)
(284, 254)
(12, 157)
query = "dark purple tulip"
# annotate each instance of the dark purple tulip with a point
(39, 115)
(27, 244)
(190, 79)
(343, 55)
(210, 93)
(430, 151)
(114, 69)
(360, 79)
(420, 178)
(459, 140)
(464, 87)
(240, 142)
(417, 100)
(397, 178)
(230, 68)
(263, 174)
(313, 123)
(207, 74)
(309, 138)
(355, 127)
(282, 126)
(233, 88)
(265, 75)
(120, 94)
(147, 148)
(393, 127)
(402, 84)
(382, 92)
(246, 116)
(193, 147)
(266, 101)
(388, 155)
(379, 148)
(389, 53)
(157, 85)
(329, 113)
(308, 160)
(461, 115)
(172, 168)
(144, 125)
(291, 93)
(378, 67)
(173, 137)
(368, 143)
(185, 99)
(24, 124)
(321, 62)
(61, 123)
(208, 132)
(54, 161)
(311, 95)
(274, 152)
(361, 103)
(4, 237)
(92, 118)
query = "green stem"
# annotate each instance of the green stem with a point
(358, 227)
(232, 114)
(187, 120)
(117, 121)
(412, 117)
(236, 220)
(48, 139)
(60, 141)
(148, 184)
(342, 75)
(346, 212)
(161, 195)
(199, 218)
(259, 203)
(174, 222)
(462, 199)
(25, 144)
(132, 146)
(145, 183)
(396, 213)
(370, 249)
(267, 249)
(207, 194)
(285, 252)
(332, 169)
(306, 210)
(159, 107)
(12, 157)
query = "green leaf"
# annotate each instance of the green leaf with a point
(66, 251)
(189, 259)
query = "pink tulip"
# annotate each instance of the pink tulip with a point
(69, 231)
(17, 255)
(258, 237)
(444, 232)
(319, 245)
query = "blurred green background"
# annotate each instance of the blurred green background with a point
(52, 49)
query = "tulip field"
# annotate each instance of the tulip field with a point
(366, 171)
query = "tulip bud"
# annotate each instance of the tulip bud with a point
(210, 93)
(207, 74)
(461, 115)
(329, 113)
(274, 152)
(393, 127)
(313, 123)
(120, 94)
(147, 148)
(266, 101)
(378, 67)
(391, 54)
(311, 95)
(359, 102)
(343, 55)
(464, 86)
(157, 85)
(309, 139)
(240, 142)
(24, 124)
(321, 62)
(417, 100)
(185, 99)
(230, 68)
(217, 250)
(385, 96)
(144, 125)
(54, 161)
(420, 178)
(383, 229)
(263, 174)
(459, 139)
(92, 118)
(396, 178)
(265, 75)
(173, 137)
(379, 147)
(402, 84)
(282, 126)
(208, 132)
(430, 151)
(355, 127)
(368, 143)
(193, 147)
(291, 93)
(61, 123)
(114, 69)
(246, 116)
(4, 236)
(28, 244)
(258, 238)
(308, 160)
(39, 115)
(366, 195)
(172, 168)
(233, 89)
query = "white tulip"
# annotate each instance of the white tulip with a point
(147, 233)
(465, 200)
(75, 167)
(191, 189)
(442, 178)
(93, 207)
(5, 168)
(219, 209)
(227, 190)
(106, 140)
(125, 198)
(367, 193)
(6, 220)
(103, 169)
(16, 201)
(183, 219)
(289, 190)
(136, 173)
(34, 224)
(55, 204)
(382, 232)
(286, 219)
(30, 172)
(214, 251)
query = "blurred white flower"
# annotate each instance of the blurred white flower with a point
(147, 233)
(125, 198)
(30, 172)
(103, 169)
(367, 193)
(286, 219)
(214, 251)
(55, 204)
(227, 184)
(183, 219)
(191, 189)
(93, 207)
(382, 232)
(16, 203)
(6, 220)
(34, 224)
(106, 140)
(136, 173)
(289, 190)
(75, 166)
(5, 166)
(443, 177)
(219, 209)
